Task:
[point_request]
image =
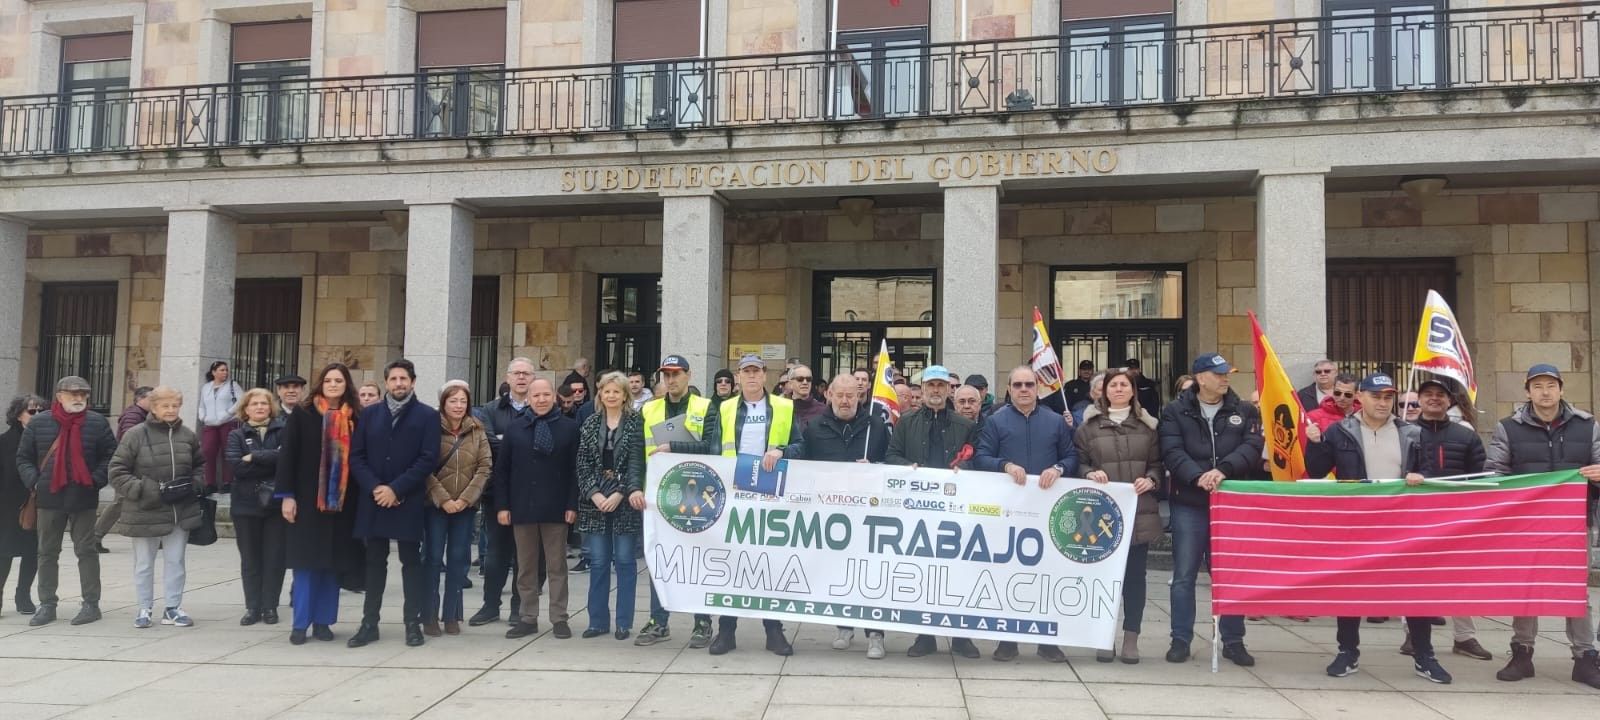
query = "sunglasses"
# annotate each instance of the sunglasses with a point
(797, 378)
(1411, 405)
(1324, 371)
(1336, 393)
(1023, 385)
(32, 411)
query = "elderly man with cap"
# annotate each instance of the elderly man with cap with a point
(291, 392)
(986, 399)
(700, 419)
(936, 436)
(1373, 444)
(755, 422)
(1207, 435)
(1547, 433)
(64, 456)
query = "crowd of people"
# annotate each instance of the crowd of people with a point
(326, 478)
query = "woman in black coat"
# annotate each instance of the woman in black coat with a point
(318, 497)
(15, 541)
(258, 524)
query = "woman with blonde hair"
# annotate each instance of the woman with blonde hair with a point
(611, 494)
(453, 492)
(258, 522)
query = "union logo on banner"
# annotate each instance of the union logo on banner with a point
(1441, 348)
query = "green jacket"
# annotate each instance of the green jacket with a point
(150, 454)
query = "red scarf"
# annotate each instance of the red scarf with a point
(68, 445)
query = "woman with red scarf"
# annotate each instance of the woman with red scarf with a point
(316, 491)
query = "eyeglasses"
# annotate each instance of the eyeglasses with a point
(1324, 371)
(1337, 393)
(32, 411)
(1411, 405)
(1024, 385)
(800, 378)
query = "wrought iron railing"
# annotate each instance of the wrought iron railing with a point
(1324, 56)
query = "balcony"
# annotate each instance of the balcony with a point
(1128, 65)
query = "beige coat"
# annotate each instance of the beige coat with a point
(465, 473)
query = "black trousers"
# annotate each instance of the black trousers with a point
(412, 577)
(262, 549)
(499, 562)
(1419, 629)
(27, 570)
(728, 623)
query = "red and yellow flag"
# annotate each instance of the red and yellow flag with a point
(1280, 411)
(1044, 361)
(883, 394)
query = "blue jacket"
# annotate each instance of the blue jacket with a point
(536, 486)
(401, 453)
(1034, 441)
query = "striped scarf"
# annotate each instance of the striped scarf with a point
(333, 472)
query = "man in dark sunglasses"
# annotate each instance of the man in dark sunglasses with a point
(1311, 396)
(1340, 403)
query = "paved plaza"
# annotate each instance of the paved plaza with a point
(219, 670)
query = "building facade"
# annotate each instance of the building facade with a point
(285, 184)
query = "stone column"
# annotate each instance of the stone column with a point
(13, 277)
(197, 313)
(1291, 266)
(969, 283)
(694, 319)
(438, 294)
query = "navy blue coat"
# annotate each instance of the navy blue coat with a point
(401, 453)
(1034, 441)
(537, 487)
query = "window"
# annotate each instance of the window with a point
(1382, 45)
(881, 67)
(1373, 306)
(1116, 54)
(461, 59)
(659, 82)
(266, 331)
(1110, 314)
(271, 70)
(483, 355)
(93, 111)
(630, 323)
(856, 312)
(76, 335)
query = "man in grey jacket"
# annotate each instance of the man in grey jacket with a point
(63, 458)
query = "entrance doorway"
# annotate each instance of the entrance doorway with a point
(1110, 314)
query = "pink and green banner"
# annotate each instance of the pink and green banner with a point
(1508, 546)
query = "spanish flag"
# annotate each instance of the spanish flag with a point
(1280, 410)
(883, 394)
(1440, 347)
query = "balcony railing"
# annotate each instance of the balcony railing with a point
(1316, 57)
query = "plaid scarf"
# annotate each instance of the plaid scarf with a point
(333, 472)
(70, 466)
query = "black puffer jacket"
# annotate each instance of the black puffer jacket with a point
(262, 469)
(830, 439)
(1446, 448)
(98, 445)
(1524, 444)
(1190, 447)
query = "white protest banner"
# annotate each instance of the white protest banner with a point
(885, 547)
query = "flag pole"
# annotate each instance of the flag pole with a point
(1216, 639)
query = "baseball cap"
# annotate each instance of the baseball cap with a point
(1133, 362)
(932, 373)
(289, 380)
(1377, 383)
(675, 362)
(978, 381)
(1209, 362)
(1086, 365)
(72, 383)
(752, 360)
(1543, 370)
(1434, 382)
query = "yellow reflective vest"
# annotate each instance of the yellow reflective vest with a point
(780, 422)
(655, 413)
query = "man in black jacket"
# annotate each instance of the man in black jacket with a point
(499, 558)
(1207, 435)
(63, 458)
(1311, 396)
(1373, 444)
(1545, 434)
(937, 437)
(536, 495)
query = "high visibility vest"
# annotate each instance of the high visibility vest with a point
(780, 421)
(655, 413)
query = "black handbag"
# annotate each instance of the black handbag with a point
(177, 490)
(206, 534)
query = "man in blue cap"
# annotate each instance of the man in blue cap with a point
(1542, 435)
(1374, 444)
(1207, 435)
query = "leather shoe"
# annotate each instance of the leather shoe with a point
(924, 645)
(561, 630)
(251, 617)
(413, 635)
(1179, 652)
(366, 634)
(452, 627)
(1239, 655)
(1052, 653)
(1005, 652)
(778, 643)
(25, 605)
(45, 615)
(89, 613)
(322, 632)
(723, 643)
(964, 648)
(297, 637)
(431, 629)
(522, 630)
(484, 616)
(269, 617)
(593, 633)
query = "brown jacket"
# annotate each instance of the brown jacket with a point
(464, 474)
(1125, 452)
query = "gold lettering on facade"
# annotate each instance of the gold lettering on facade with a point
(863, 170)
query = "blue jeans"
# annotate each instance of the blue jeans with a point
(1191, 543)
(447, 546)
(607, 550)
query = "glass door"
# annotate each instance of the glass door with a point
(1111, 315)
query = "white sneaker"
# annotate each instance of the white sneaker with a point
(842, 641)
(875, 647)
